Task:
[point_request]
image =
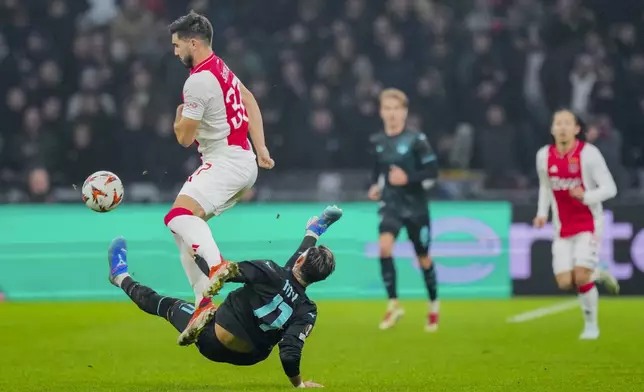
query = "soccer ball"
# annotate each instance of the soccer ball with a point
(102, 191)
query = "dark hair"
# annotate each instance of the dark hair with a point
(192, 25)
(578, 121)
(318, 265)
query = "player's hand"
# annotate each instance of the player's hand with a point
(374, 192)
(539, 221)
(264, 159)
(179, 111)
(397, 176)
(311, 384)
(577, 193)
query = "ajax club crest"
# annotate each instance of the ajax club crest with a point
(573, 165)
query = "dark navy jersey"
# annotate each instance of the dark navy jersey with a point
(272, 308)
(410, 151)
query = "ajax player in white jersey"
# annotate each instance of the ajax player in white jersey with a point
(217, 115)
(574, 181)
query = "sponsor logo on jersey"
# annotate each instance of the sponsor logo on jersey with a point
(564, 184)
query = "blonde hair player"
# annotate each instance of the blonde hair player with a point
(406, 168)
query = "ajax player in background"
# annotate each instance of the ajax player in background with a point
(574, 181)
(217, 114)
(405, 170)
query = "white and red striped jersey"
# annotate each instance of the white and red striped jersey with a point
(583, 166)
(212, 96)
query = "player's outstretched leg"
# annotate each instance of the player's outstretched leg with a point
(176, 311)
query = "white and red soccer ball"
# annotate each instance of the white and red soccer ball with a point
(102, 191)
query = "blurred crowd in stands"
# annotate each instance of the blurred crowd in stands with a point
(92, 85)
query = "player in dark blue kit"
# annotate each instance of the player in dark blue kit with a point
(405, 169)
(271, 308)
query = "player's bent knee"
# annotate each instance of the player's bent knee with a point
(386, 244)
(425, 261)
(386, 251)
(565, 281)
(175, 212)
(565, 285)
(582, 276)
(190, 204)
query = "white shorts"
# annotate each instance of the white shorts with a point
(221, 181)
(581, 250)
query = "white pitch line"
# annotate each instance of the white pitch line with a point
(544, 311)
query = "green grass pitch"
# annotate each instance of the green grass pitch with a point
(97, 347)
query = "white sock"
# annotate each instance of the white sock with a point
(198, 281)
(196, 233)
(434, 306)
(589, 299)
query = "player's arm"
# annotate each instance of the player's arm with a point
(308, 242)
(255, 121)
(256, 128)
(599, 173)
(292, 344)
(426, 173)
(543, 205)
(185, 128)
(190, 113)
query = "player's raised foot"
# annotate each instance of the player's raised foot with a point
(432, 322)
(204, 314)
(393, 315)
(609, 281)
(319, 224)
(219, 274)
(590, 332)
(117, 258)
